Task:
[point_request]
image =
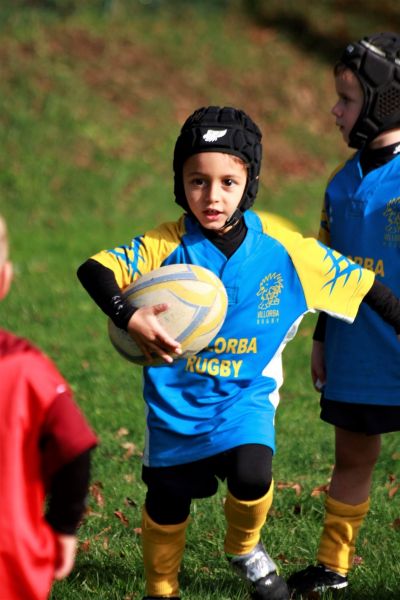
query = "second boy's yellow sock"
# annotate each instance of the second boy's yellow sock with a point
(163, 547)
(245, 520)
(341, 526)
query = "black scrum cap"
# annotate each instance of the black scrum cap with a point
(219, 129)
(375, 60)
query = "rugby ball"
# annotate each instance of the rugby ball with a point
(197, 302)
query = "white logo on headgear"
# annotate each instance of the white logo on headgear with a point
(213, 135)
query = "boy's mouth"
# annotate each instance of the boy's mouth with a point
(211, 212)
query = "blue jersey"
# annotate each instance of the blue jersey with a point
(227, 394)
(361, 219)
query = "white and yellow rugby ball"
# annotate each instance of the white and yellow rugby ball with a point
(197, 302)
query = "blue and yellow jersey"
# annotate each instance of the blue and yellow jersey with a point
(227, 394)
(361, 219)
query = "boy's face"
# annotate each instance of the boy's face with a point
(214, 183)
(350, 101)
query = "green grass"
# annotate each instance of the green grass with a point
(91, 103)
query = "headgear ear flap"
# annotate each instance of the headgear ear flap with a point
(219, 129)
(375, 61)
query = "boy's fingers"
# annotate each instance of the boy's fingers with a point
(159, 308)
(161, 352)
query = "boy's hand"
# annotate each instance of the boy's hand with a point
(318, 373)
(65, 555)
(150, 336)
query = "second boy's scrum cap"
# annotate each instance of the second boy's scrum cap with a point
(375, 60)
(219, 129)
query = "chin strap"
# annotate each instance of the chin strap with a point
(233, 220)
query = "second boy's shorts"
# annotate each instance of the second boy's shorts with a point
(370, 419)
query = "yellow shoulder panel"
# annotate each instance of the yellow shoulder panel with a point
(331, 282)
(143, 254)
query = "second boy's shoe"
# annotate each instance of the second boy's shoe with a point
(259, 570)
(317, 579)
(161, 598)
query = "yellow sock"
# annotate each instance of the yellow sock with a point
(341, 526)
(245, 520)
(163, 547)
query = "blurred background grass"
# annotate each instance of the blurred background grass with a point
(93, 93)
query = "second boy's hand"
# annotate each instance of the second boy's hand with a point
(146, 330)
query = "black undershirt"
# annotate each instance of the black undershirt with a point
(373, 158)
(230, 241)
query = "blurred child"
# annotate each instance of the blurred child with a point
(358, 367)
(45, 446)
(211, 417)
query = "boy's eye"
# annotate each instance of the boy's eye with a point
(228, 182)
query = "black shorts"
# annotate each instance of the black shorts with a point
(199, 479)
(170, 490)
(370, 419)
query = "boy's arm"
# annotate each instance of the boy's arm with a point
(67, 504)
(65, 555)
(101, 285)
(382, 300)
(141, 324)
(65, 444)
(68, 494)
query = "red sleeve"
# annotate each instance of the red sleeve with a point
(65, 433)
(37, 406)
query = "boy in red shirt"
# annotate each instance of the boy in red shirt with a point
(45, 446)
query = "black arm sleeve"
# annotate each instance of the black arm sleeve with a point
(319, 331)
(382, 300)
(68, 494)
(102, 287)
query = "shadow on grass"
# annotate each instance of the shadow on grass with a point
(376, 594)
(207, 584)
(339, 25)
(112, 579)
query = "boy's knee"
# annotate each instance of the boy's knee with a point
(251, 485)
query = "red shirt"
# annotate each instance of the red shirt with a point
(35, 402)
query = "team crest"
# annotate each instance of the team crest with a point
(392, 229)
(269, 293)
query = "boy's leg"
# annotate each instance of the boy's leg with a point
(345, 510)
(355, 458)
(165, 518)
(163, 548)
(245, 519)
(249, 498)
(348, 501)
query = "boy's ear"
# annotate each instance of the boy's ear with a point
(6, 274)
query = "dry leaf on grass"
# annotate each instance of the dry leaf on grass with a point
(122, 431)
(396, 524)
(120, 515)
(96, 493)
(320, 489)
(281, 485)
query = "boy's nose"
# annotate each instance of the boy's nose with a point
(214, 193)
(335, 109)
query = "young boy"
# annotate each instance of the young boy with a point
(201, 425)
(358, 367)
(45, 445)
